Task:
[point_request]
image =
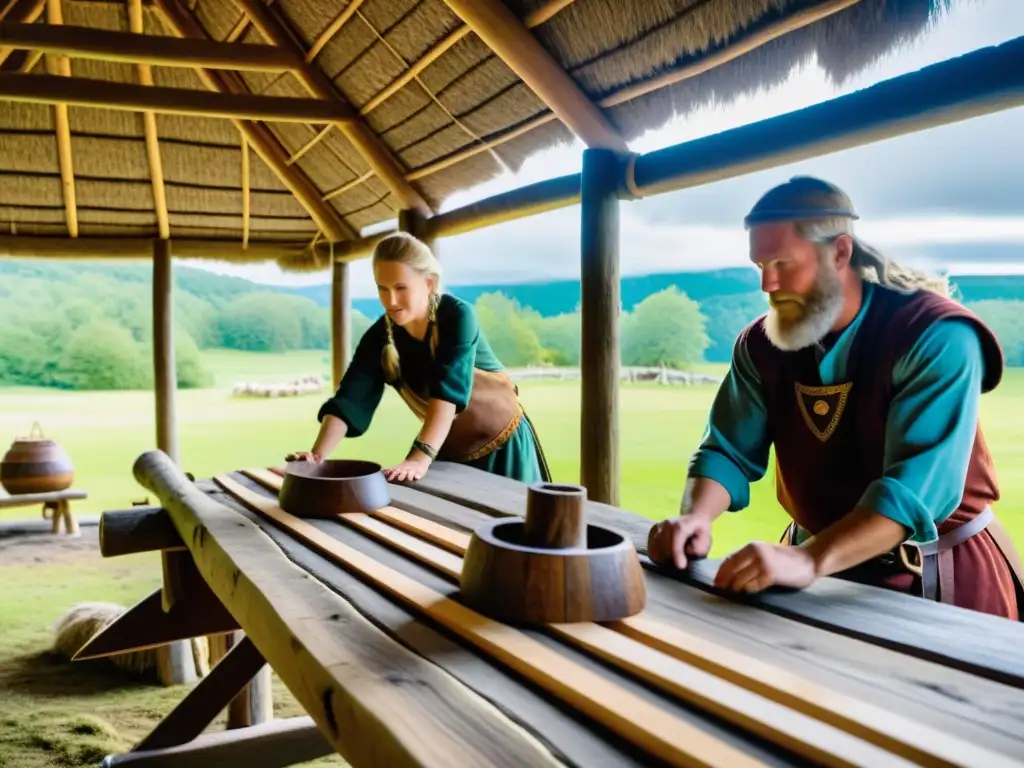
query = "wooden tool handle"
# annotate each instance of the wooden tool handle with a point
(554, 516)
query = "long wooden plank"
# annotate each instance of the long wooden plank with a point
(648, 726)
(557, 725)
(945, 698)
(377, 702)
(922, 744)
(967, 640)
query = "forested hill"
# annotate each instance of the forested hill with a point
(88, 325)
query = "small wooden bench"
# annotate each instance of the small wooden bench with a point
(56, 502)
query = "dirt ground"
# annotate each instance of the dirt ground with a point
(31, 549)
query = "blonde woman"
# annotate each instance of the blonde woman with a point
(428, 346)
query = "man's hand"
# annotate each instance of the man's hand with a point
(680, 539)
(760, 565)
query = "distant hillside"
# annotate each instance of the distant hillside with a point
(561, 296)
(222, 311)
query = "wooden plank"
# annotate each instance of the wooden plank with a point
(948, 699)
(377, 702)
(502, 497)
(281, 743)
(968, 640)
(553, 719)
(648, 726)
(545, 717)
(911, 740)
(28, 499)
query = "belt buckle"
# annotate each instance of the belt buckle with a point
(917, 567)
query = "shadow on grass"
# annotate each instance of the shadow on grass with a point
(50, 675)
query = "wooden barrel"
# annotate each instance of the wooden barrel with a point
(35, 464)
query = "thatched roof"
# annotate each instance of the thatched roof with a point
(443, 128)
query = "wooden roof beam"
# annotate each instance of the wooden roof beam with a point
(509, 38)
(156, 166)
(23, 12)
(260, 138)
(85, 92)
(45, 247)
(60, 73)
(366, 142)
(137, 48)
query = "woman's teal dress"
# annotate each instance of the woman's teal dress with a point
(461, 347)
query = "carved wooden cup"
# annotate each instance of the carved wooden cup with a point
(552, 566)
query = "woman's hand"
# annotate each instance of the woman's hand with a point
(310, 456)
(410, 470)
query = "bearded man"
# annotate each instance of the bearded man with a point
(866, 378)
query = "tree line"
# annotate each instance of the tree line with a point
(95, 331)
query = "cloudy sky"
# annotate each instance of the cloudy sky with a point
(950, 197)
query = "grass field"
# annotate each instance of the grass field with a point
(53, 716)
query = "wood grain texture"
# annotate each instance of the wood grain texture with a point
(894, 734)
(650, 727)
(953, 701)
(139, 529)
(960, 639)
(277, 743)
(375, 701)
(511, 581)
(556, 725)
(554, 516)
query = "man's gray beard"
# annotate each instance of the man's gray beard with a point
(821, 310)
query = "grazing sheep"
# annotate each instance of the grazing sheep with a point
(82, 621)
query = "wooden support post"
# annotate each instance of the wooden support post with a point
(599, 341)
(164, 369)
(254, 703)
(181, 665)
(416, 224)
(341, 321)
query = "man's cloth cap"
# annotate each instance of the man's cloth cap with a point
(802, 197)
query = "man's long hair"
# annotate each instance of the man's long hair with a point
(869, 262)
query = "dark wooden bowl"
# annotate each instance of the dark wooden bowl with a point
(332, 487)
(551, 566)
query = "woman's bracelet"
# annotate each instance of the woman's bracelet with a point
(424, 448)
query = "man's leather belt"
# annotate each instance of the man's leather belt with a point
(934, 560)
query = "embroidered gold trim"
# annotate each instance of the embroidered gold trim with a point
(843, 390)
(500, 440)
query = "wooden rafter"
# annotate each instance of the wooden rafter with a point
(156, 166)
(763, 36)
(20, 11)
(332, 29)
(137, 48)
(509, 38)
(366, 142)
(320, 136)
(535, 19)
(85, 92)
(60, 68)
(245, 193)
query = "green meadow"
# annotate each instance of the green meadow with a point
(53, 714)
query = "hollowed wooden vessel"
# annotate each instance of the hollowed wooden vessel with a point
(552, 566)
(332, 487)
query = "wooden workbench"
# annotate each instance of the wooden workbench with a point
(361, 619)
